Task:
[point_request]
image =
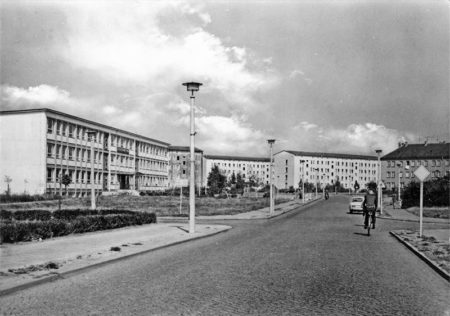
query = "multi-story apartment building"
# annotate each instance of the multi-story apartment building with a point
(248, 167)
(322, 169)
(398, 166)
(179, 166)
(39, 146)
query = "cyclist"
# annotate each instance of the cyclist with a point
(326, 194)
(370, 204)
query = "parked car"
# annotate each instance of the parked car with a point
(356, 204)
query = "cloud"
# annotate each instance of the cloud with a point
(355, 138)
(305, 126)
(41, 96)
(226, 135)
(159, 45)
(300, 73)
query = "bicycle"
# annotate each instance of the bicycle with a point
(370, 213)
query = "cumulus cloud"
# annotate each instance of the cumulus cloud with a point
(39, 96)
(355, 138)
(305, 126)
(159, 45)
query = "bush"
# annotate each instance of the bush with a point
(28, 215)
(435, 193)
(28, 230)
(14, 198)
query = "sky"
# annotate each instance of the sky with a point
(325, 76)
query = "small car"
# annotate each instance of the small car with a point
(356, 204)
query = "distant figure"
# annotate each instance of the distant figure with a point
(326, 194)
(370, 204)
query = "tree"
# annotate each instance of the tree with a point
(66, 180)
(239, 182)
(8, 180)
(232, 180)
(252, 180)
(216, 180)
(356, 186)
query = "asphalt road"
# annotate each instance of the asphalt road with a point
(316, 261)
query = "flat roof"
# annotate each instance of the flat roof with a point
(328, 155)
(184, 148)
(420, 151)
(224, 157)
(47, 110)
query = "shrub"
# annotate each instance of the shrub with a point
(28, 230)
(435, 193)
(14, 198)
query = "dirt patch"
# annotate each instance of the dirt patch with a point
(436, 250)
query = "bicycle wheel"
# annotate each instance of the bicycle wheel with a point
(370, 223)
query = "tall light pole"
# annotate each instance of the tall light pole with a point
(302, 162)
(192, 87)
(399, 165)
(91, 135)
(317, 176)
(271, 142)
(380, 193)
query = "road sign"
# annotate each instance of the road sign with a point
(421, 173)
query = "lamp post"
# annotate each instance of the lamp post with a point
(271, 142)
(380, 193)
(91, 135)
(192, 87)
(399, 164)
(317, 176)
(302, 162)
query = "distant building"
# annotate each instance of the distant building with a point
(179, 166)
(322, 169)
(256, 168)
(399, 165)
(39, 146)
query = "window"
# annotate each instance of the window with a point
(49, 175)
(50, 126)
(49, 150)
(178, 157)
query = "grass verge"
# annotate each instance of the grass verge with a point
(433, 212)
(436, 250)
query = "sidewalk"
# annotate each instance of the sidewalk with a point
(76, 253)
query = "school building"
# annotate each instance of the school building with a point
(39, 146)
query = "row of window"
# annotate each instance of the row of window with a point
(416, 163)
(411, 175)
(72, 153)
(338, 163)
(235, 165)
(78, 176)
(71, 130)
(75, 131)
(149, 181)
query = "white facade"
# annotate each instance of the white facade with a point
(348, 169)
(39, 146)
(248, 167)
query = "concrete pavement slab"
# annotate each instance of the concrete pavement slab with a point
(24, 264)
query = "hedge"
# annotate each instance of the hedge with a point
(28, 230)
(45, 215)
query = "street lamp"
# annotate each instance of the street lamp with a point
(317, 176)
(91, 135)
(399, 165)
(271, 142)
(302, 162)
(192, 87)
(380, 189)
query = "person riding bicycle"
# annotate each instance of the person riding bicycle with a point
(326, 194)
(370, 204)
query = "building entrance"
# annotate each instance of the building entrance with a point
(124, 181)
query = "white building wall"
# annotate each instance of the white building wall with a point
(22, 153)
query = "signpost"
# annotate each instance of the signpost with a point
(421, 173)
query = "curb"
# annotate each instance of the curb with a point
(412, 220)
(56, 276)
(169, 219)
(294, 208)
(434, 266)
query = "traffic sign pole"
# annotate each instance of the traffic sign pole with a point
(421, 173)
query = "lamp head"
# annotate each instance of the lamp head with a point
(271, 141)
(378, 151)
(192, 86)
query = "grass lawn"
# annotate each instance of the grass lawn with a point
(161, 205)
(434, 212)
